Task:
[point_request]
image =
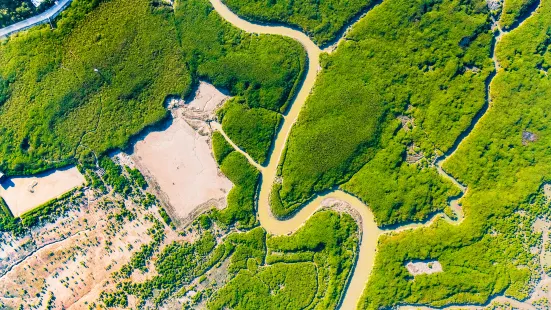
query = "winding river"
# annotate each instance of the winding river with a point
(370, 232)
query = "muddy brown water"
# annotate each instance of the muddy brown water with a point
(370, 232)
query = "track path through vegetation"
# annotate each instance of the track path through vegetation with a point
(48, 245)
(370, 232)
(499, 33)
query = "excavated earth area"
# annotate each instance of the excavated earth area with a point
(178, 159)
(74, 257)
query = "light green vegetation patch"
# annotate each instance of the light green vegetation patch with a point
(513, 10)
(503, 161)
(306, 270)
(280, 286)
(104, 73)
(245, 178)
(322, 20)
(412, 58)
(398, 192)
(330, 240)
(478, 261)
(263, 71)
(7, 220)
(251, 129)
(59, 107)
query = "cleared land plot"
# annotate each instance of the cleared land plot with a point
(179, 158)
(419, 268)
(23, 194)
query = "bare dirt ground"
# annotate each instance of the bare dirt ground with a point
(419, 268)
(23, 194)
(178, 159)
(72, 258)
(69, 261)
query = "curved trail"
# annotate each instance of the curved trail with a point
(370, 231)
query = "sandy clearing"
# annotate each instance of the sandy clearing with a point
(179, 161)
(80, 251)
(23, 194)
(419, 268)
(207, 98)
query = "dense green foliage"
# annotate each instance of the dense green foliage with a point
(12, 11)
(91, 84)
(263, 71)
(489, 253)
(220, 147)
(240, 199)
(404, 58)
(329, 240)
(398, 192)
(4, 210)
(252, 129)
(245, 178)
(114, 177)
(477, 264)
(136, 177)
(60, 107)
(279, 286)
(7, 220)
(305, 270)
(513, 10)
(178, 264)
(322, 20)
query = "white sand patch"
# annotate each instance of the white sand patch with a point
(494, 4)
(23, 194)
(207, 98)
(179, 160)
(333, 202)
(419, 268)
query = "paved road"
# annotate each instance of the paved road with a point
(36, 20)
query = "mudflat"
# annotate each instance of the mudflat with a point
(23, 194)
(179, 159)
